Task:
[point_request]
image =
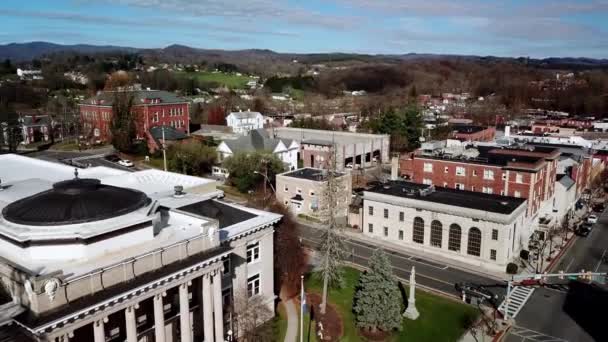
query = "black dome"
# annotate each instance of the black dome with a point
(74, 201)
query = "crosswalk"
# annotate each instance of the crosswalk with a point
(518, 333)
(519, 296)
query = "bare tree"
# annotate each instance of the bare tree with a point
(251, 315)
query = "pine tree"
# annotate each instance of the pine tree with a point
(378, 300)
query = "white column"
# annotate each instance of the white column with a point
(217, 306)
(130, 324)
(184, 314)
(159, 318)
(99, 331)
(207, 309)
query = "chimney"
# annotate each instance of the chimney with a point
(394, 168)
(507, 131)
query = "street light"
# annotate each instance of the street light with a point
(266, 180)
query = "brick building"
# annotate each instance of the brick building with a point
(473, 133)
(151, 108)
(526, 173)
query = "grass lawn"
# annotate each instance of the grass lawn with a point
(226, 79)
(66, 145)
(281, 326)
(441, 319)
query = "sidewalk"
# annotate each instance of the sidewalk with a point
(292, 321)
(348, 232)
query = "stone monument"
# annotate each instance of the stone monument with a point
(411, 312)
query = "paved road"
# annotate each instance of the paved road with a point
(58, 156)
(544, 313)
(428, 273)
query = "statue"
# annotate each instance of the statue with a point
(411, 312)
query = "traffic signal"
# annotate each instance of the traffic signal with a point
(561, 275)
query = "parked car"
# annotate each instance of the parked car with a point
(477, 291)
(125, 162)
(599, 208)
(113, 158)
(531, 282)
(584, 229)
(592, 218)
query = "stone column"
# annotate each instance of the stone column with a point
(99, 331)
(185, 326)
(218, 306)
(65, 337)
(411, 312)
(207, 309)
(131, 323)
(159, 318)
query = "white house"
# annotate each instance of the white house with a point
(244, 122)
(259, 140)
(481, 230)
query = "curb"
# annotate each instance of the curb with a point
(502, 334)
(561, 253)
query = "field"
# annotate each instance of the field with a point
(229, 80)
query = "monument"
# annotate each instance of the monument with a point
(411, 312)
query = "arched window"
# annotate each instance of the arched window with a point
(474, 244)
(436, 232)
(454, 237)
(418, 231)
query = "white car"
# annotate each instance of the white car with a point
(592, 218)
(125, 162)
(349, 165)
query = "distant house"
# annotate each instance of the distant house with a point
(29, 74)
(38, 128)
(244, 122)
(257, 141)
(157, 135)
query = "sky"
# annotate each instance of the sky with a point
(533, 28)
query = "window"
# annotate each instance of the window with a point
(311, 193)
(418, 231)
(253, 252)
(428, 167)
(370, 210)
(495, 234)
(502, 192)
(474, 172)
(473, 188)
(141, 320)
(253, 285)
(459, 186)
(427, 181)
(445, 184)
(385, 231)
(401, 216)
(488, 174)
(285, 188)
(460, 171)
(493, 254)
(227, 297)
(474, 243)
(504, 176)
(114, 333)
(517, 194)
(385, 213)
(400, 234)
(370, 228)
(487, 190)
(226, 267)
(446, 169)
(454, 237)
(519, 178)
(436, 233)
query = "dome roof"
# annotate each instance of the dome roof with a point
(74, 201)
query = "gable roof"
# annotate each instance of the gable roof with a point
(256, 140)
(245, 115)
(106, 98)
(565, 180)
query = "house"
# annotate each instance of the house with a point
(159, 135)
(304, 191)
(259, 141)
(150, 108)
(474, 229)
(38, 128)
(109, 255)
(565, 198)
(25, 74)
(244, 122)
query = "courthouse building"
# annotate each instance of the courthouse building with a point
(104, 255)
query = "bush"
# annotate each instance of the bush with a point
(524, 254)
(511, 268)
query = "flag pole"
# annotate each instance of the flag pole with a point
(302, 303)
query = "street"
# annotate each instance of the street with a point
(428, 273)
(544, 313)
(94, 160)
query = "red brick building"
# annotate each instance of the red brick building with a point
(473, 133)
(524, 173)
(151, 108)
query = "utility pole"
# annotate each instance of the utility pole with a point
(164, 148)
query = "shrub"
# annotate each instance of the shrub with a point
(511, 268)
(524, 254)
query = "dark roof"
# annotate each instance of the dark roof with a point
(460, 198)
(468, 129)
(225, 214)
(170, 133)
(256, 140)
(106, 98)
(565, 180)
(75, 201)
(12, 332)
(311, 174)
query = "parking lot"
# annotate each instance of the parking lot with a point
(80, 159)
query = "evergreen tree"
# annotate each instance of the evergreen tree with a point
(378, 300)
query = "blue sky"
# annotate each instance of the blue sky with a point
(537, 28)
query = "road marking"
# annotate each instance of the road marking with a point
(360, 244)
(517, 299)
(569, 264)
(599, 263)
(532, 335)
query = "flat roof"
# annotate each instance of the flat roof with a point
(339, 137)
(458, 198)
(226, 215)
(468, 129)
(309, 173)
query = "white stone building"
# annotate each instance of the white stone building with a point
(102, 255)
(244, 122)
(475, 229)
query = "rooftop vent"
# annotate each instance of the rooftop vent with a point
(178, 191)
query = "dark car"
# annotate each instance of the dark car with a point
(113, 158)
(599, 208)
(477, 291)
(584, 229)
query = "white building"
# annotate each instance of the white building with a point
(29, 74)
(102, 255)
(475, 229)
(244, 122)
(259, 140)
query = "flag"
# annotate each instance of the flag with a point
(303, 298)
